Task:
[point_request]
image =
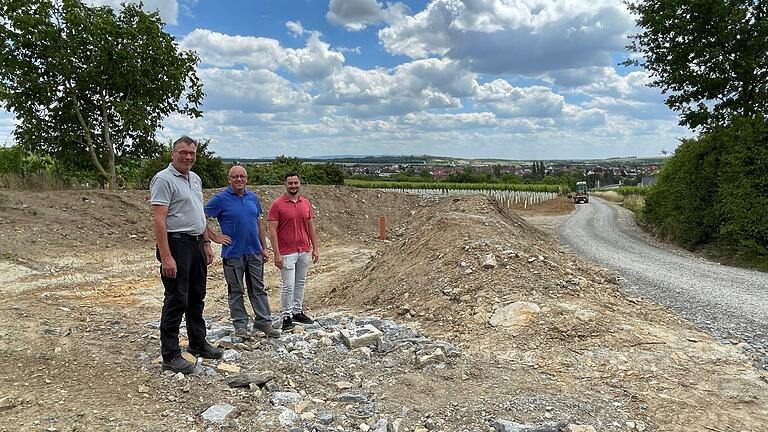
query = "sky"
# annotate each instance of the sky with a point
(512, 79)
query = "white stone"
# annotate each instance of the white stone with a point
(218, 413)
(228, 367)
(490, 262)
(285, 398)
(287, 418)
(434, 358)
(516, 314)
(360, 336)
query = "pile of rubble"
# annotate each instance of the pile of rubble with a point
(321, 377)
(314, 377)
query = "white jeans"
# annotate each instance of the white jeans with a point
(294, 274)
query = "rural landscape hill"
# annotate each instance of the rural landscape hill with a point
(483, 320)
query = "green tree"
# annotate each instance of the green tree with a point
(512, 178)
(328, 174)
(211, 169)
(708, 55)
(87, 80)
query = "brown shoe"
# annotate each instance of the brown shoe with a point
(268, 331)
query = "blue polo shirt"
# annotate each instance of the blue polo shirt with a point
(239, 219)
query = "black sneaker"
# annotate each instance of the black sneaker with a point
(206, 351)
(287, 324)
(179, 364)
(302, 318)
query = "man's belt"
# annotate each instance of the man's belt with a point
(181, 235)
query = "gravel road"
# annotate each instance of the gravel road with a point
(730, 303)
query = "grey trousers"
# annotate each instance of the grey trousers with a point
(294, 275)
(250, 268)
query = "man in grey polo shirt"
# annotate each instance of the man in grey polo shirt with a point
(184, 252)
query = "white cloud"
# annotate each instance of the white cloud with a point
(168, 9)
(295, 28)
(313, 62)
(415, 86)
(443, 75)
(250, 91)
(507, 36)
(431, 122)
(355, 15)
(582, 118)
(355, 50)
(187, 6)
(631, 108)
(505, 100)
(605, 81)
(218, 49)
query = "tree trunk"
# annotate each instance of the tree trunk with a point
(89, 142)
(110, 147)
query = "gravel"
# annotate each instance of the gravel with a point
(730, 303)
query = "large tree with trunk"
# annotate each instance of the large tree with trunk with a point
(709, 56)
(92, 81)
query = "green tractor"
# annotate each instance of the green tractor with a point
(581, 195)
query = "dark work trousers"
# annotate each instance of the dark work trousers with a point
(251, 268)
(184, 294)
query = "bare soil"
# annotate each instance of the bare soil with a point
(80, 285)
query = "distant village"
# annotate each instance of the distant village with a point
(599, 173)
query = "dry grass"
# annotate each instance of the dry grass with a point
(609, 196)
(630, 202)
(634, 202)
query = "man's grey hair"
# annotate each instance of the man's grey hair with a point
(184, 140)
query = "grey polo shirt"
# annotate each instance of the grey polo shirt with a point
(184, 199)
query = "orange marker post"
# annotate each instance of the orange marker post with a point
(382, 229)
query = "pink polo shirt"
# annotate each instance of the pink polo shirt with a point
(292, 219)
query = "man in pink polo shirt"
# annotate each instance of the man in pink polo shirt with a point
(293, 237)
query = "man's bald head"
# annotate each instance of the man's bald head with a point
(237, 170)
(238, 177)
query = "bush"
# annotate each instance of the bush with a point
(682, 206)
(21, 169)
(743, 197)
(714, 192)
(274, 173)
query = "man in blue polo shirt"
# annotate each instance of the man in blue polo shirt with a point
(238, 211)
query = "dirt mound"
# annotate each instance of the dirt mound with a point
(557, 206)
(344, 214)
(461, 258)
(82, 221)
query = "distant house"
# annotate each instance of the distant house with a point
(648, 180)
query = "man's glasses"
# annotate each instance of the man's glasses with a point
(238, 177)
(184, 153)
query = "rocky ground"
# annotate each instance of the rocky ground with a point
(467, 318)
